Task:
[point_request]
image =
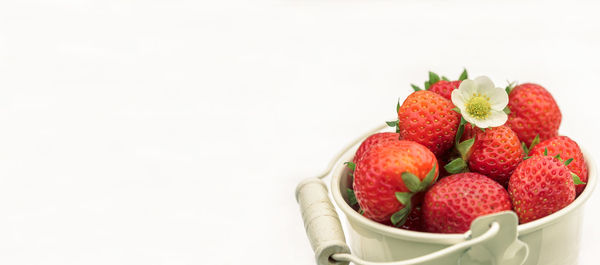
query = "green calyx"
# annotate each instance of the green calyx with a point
(351, 197)
(510, 87)
(394, 124)
(434, 78)
(459, 165)
(414, 185)
(456, 166)
(568, 161)
(576, 179)
(464, 75)
(526, 149)
(350, 165)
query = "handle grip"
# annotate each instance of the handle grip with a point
(321, 221)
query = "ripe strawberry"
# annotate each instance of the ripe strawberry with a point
(387, 176)
(373, 140)
(414, 220)
(540, 186)
(427, 118)
(533, 112)
(443, 160)
(455, 201)
(567, 149)
(444, 88)
(495, 153)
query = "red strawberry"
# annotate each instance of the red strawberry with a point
(567, 149)
(540, 186)
(443, 160)
(444, 88)
(533, 111)
(414, 221)
(455, 201)
(387, 176)
(373, 140)
(427, 118)
(495, 153)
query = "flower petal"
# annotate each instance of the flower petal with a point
(469, 118)
(458, 100)
(483, 83)
(495, 119)
(498, 98)
(467, 88)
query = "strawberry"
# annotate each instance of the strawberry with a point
(533, 111)
(373, 140)
(414, 220)
(442, 86)
(388, 176)
(569, 150)
(540, 186)
(496, 153)
(427, 118)
(455, 201)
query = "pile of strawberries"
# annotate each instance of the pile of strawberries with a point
(438, 172)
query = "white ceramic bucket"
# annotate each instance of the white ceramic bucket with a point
(552, 240)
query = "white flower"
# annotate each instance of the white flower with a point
(480, 102)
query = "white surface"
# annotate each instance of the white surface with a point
(174, 132)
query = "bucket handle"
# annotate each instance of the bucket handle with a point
(491, 240)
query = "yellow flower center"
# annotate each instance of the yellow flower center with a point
(479, 107)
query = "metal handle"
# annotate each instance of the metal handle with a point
(321, 221)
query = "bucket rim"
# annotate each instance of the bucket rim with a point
(439, 238)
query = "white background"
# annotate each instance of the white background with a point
(174, 132)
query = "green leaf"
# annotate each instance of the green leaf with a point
(399, 217)
(456, 166)
(428, 179)
(546, 151)
(535, 141)
(415, 87)
(510, 87)
(392, 123)
(350, 165)
(526, 157)
(464, 75)
(411, 181)
(525, 149)
(404, 197)
(460, 130)
(398, 105)
(361, 211)
(482, 129)
(576, 179)
(506, 110)
(427, 84)
(568, 161)
(445, 78)
(464, 147)
(558, 157)
(433, 78)
(351, 197)
(456, 109)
